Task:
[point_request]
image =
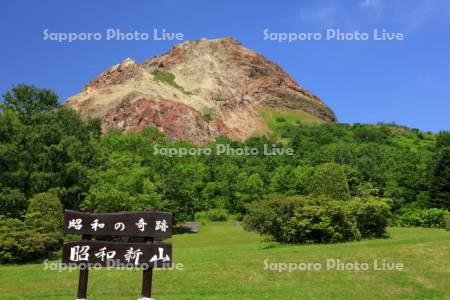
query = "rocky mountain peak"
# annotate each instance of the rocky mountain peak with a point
(217, 78)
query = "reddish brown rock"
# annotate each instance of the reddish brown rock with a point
(176, 120)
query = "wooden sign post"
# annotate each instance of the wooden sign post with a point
(145, 255)
(147, 277)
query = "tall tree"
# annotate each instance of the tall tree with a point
(330, 180)
(28, 99)
(440, 176)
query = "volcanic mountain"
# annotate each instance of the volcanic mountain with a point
(197, 91)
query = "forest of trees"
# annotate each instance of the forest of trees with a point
(47, 148)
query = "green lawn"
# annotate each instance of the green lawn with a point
(225, 262)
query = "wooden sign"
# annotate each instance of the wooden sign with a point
(114, 254)
(146, 255)
(145, 224)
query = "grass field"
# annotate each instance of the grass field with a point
(277, 118)
(225, 262)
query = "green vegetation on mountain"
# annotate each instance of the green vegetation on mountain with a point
(168, 78)
(277, 118)
(207, 118)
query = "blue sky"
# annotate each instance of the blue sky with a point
(406, 82)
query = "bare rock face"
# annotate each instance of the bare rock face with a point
(174, 119)
(197, 91)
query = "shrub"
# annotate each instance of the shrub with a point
(372, 215)
(213, 215)
(45, 214)
(269, 216)
(207, 118)
(36, 237)
(301, 219)
(431, 218)
(201, 215)
(18, 243)
(327, 223)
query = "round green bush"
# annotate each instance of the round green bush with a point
(429, 218)
(18, 243)
(313, 219)
(269, 217)
(372, 215)
(45, 213)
